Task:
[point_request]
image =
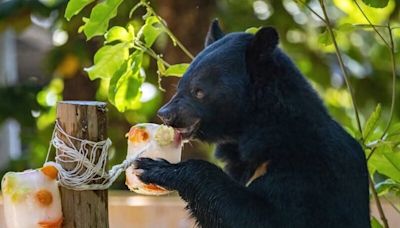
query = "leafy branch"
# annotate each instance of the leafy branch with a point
(371, 123)
(391, 47)
(119, 60)
(167, 30)
(342, 66)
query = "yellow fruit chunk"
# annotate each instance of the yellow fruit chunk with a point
(50, 171)
(164, 135)
(9, 183)
(19, 195)
(51, 224)
(44, 197)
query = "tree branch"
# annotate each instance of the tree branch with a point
(341, 63)
(378, 202)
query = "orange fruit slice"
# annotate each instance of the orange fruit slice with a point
(50, 171)
(51, 224)
(138, 135)
(153, 187)
(44, 197)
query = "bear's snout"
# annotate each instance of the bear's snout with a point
(166, 115)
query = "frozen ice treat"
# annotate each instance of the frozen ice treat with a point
(32, 199)
(153, 141)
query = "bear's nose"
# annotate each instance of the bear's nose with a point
(166, 115)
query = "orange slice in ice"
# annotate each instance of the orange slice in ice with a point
(50, 171)
(153, 187)
(44, 197)
(51, 224)
(138, 135)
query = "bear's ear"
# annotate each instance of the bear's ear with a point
(214, 33)
(263, 44)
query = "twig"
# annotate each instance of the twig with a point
(378, 202)
(372, 25)
(168, 31)
(391, 48)
(312, 11)
(342, 67)
(150, 52)
(393, 61)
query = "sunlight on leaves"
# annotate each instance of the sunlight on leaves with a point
(74, 7)
(108, 60)
(124, 88)
(176, 70)
(386, 161)
(354, 16)
(150, 30)
(100, 17)
(118, 33)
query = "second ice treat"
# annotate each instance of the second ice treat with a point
(152, 141)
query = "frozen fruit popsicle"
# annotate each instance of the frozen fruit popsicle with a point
(32, 199)
(159, 141)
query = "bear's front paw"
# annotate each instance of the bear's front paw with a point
(159, 172)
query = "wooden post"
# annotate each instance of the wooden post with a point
(84, 120)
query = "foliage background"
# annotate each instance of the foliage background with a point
(303, 37)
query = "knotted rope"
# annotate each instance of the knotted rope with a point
(89, 160)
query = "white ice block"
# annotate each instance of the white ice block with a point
(153, 141)
(32, 199)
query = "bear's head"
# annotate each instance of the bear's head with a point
(231, 83)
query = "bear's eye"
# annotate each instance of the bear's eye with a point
(198, 93)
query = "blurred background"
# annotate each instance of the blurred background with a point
(42, 57)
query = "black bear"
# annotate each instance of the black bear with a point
(288, 163)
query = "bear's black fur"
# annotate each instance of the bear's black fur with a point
(244, 94)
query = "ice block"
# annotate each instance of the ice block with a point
(153, 141)
(32, 198)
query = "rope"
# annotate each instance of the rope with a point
(89, 161)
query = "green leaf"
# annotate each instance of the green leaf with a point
(74, 7)
(394, 130)
(118, 33)
(386, 186)
(372, 122)
(252, 30)
(375, 223)
(176, 70)
(108, 60)
(124, 88)
(325, 38)
(100, 17)
(376, 3)
(151, 30)
(386, 161)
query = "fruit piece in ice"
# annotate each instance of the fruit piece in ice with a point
(138, 135)
(50, 171)
(51, 224)
(164, 135)
(44, 197)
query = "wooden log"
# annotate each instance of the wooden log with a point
(83, 120)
